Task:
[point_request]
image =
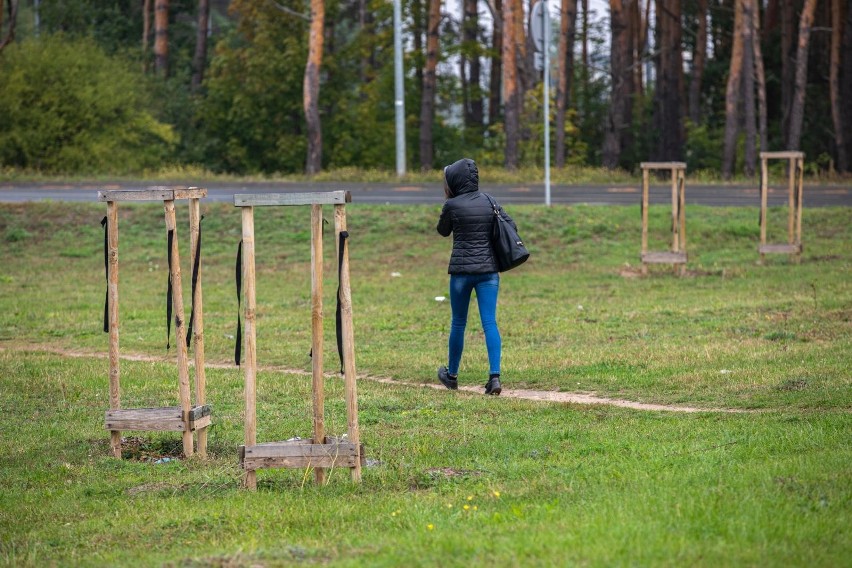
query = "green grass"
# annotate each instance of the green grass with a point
(577, 484)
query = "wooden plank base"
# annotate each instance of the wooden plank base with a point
(780, 249)
(301, 454)
(664, 257)
(165, 419)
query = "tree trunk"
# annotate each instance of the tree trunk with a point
(13, 20)
(834, 83)
(161, 37)
(636, 43)
(470, 37)
(748, 88)
(199, 62)
(797, 111)
(760, 78)
(511, 100)
(846, 81)
(496, 75)
(427, 103)
(567, 26)
(311, 88)
(732, 94)
(524, 53)
(668, 104)
(611, 152)
(699, 56)
(584, 57)
(788, 33)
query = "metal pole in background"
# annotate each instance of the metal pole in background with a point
(399, 91)
(545, 15)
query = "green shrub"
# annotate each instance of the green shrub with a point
(69, 108)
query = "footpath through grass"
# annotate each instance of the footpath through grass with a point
(544, 484)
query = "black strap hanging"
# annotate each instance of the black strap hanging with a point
(195, 264)
(338, 320)
(105, 225)
(169, 293)
(239, 278)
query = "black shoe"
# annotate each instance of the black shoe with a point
(447, 379)
(493, 385)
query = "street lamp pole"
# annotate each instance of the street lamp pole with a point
(399, 91)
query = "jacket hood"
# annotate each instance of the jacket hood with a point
(462, 177)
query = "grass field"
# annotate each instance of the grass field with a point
(455, 479)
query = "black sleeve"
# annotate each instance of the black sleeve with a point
(445, 223)
(509, 219)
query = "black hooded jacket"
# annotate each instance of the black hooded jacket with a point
(469, 216)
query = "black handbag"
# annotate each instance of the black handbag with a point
(508, 247)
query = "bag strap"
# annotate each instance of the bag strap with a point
(171, 240)
(105, 225)
(195, 264)
(239, 278)
(338, 315)
(493, 203)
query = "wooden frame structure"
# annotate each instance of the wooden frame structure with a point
(321, 451)
(795, 167)
(677, 254)
(184, 418)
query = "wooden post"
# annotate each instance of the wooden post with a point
(180, 328)
(764, 190)
(198, 320)
(792, 162)
(645, 185)
(800, 169)
(112, 306)
(681, 216)
(675, 215)
(316, 333)
(682, 208)
(250, 364)
(350, 389)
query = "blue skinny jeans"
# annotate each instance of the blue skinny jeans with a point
(487, 286)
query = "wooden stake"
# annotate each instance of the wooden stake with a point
(681, 210)
(350, 389)
(112, 306)
(675, 216)
(791, 202)
(764, 190)
(250, 364)
(198, 320)
(645, 184)
(180, 328)
(316, 332)
(800, 170)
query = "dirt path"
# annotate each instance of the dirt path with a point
(525, 394)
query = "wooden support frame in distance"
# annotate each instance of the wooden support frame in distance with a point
(186, 418)
(321, 451)
(677, 255)
(795, 168)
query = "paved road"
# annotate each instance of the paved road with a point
(623, 194)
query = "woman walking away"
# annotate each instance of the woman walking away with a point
(468, 215)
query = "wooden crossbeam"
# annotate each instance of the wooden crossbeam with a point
(158, 193)
(311, 198)
(664, 257)
(780, 249)
(301, 454)
(782, 155)
(663, 165)
(163, 419)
